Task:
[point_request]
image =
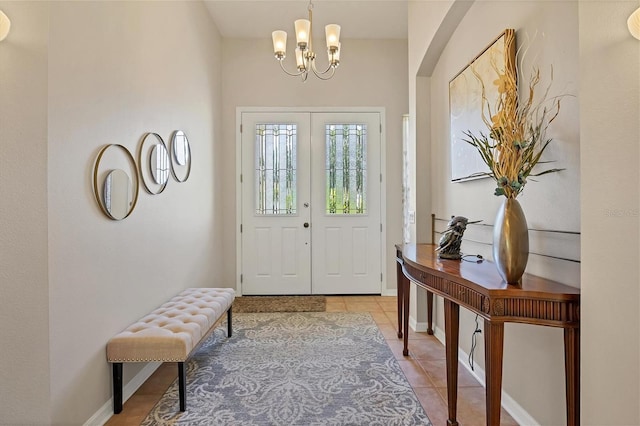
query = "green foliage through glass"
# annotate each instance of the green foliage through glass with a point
(346, 147)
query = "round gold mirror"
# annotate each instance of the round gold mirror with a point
(115, 192)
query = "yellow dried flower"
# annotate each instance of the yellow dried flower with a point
(517, 129)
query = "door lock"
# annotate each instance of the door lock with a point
(306, 204)
(306, 224)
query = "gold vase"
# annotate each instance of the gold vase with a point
(511, 241)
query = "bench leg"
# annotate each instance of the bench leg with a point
(229, 317)
(117, 387)
(182, 386)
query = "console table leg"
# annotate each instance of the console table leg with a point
(405, 320)
(429, 312)
(493, 351)
(400, 285)
(572, 374)
(451, 327)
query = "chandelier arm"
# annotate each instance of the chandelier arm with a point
(319, 73)
(321, 76)
(290, 73)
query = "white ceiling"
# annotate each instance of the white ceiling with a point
(377, 19)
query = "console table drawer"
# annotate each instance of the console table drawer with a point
(432, 281)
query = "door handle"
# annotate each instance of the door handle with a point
(306, 224)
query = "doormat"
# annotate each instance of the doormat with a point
(280, 304)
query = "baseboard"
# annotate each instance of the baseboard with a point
(519, 414)
(105, 412)
(390, 292)
(417, 326)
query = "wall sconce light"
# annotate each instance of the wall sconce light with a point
(633, 23)
(5, 25)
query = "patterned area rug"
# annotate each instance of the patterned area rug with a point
(294, 369)
(279, 304)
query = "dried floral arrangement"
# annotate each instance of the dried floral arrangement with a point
(517, 130)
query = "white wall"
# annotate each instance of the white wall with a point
(115, 71)
(424, 20)
(604, 113)
(24, 297)
(610, 160)
(372, 73)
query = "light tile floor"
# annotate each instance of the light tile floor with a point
(424, 369)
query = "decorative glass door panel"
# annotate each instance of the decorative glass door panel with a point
(275, 172)
(346, 168)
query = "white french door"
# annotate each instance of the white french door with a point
(276, 185)
(345, 189)
(310, 203)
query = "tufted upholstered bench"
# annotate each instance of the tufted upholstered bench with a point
(169, 334)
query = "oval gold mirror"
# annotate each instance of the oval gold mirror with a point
(115, 191)
(153, 163)
(180, 156)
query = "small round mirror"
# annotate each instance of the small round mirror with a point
(159, 164)
(180, 148)
(180, 156)
(116, 195)
(153, 163)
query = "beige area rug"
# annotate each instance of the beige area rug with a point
(279, 304)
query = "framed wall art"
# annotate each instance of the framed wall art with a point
(466, 104)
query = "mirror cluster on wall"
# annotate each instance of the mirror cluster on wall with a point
(117, 175)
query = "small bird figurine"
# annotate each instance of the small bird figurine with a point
(451, 239)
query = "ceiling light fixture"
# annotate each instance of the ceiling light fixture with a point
(5, 25)
(305, 57)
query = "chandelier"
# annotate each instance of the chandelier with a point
(305, 57)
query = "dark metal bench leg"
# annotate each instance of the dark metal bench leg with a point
(229, 317)
(117, 387)
(182, 386)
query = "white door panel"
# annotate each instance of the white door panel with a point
(276, 247)
(346, 246)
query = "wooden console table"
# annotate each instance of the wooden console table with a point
(478, 287)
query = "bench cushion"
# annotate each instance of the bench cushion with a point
(172, 331)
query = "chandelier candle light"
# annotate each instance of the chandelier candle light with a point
(305, 57)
